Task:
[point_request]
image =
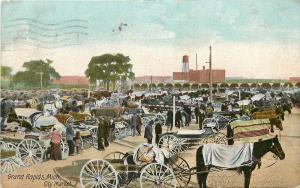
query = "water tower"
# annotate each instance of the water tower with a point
(185, 64)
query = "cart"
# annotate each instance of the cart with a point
(154, 167)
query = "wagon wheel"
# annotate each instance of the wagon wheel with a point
(157, 175)
(124, 177)
(31, 152)
(10, 164)
(114, 157)
(11, 147)
(222, 121)
(183, 145)
(88, 142)
(94, 131)
(220, 139)
(95, 141)
(169, 143)
(181, 171)
(98, 173)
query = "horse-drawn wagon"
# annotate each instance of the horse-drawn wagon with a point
(154, 167)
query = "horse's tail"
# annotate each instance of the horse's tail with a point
(199, 165)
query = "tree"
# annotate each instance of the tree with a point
(36, 71)
(109, 68)
(6, 72)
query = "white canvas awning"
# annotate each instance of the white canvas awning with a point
(26, 112)
(243, 102)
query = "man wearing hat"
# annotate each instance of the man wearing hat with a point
(148, 132)
(70, 136)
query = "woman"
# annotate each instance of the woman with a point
(55, 138)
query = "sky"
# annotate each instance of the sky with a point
(249, 38)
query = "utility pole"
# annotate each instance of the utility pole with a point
(41, 79)
(210, 75)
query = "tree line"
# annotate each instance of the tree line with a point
(107, 69)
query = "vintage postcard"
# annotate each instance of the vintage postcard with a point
(150, 93)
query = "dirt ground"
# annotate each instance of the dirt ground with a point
(284, 173)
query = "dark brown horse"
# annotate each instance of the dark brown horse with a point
(101, 94)
(259, 150)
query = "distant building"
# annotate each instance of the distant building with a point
(294, 79)
(72, 80)
(198, 76)
(152, 79)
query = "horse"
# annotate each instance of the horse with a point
(259, 150)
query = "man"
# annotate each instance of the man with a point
(189, 113)
(70, 136)
(100, 135)
(201, 117)
(106, 132)
(178, 119)
(158, 131)
(169, 121)
(148, 132)
(133, 123)
(197, 111)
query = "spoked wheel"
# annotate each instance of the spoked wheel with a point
(10, 147)
(183, 145)
(94, 131)
(124, 177)
(98, 173)
(11, 163)
(89, 141)
(170, 143)
(114, 157)
(181, 171)
(222, 121)
(95, 141)
(158, 176)
(31, 152)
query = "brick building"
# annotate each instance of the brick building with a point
(294, 79)
(72, 80)
(198, 76)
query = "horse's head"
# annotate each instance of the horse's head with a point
(276, 148)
